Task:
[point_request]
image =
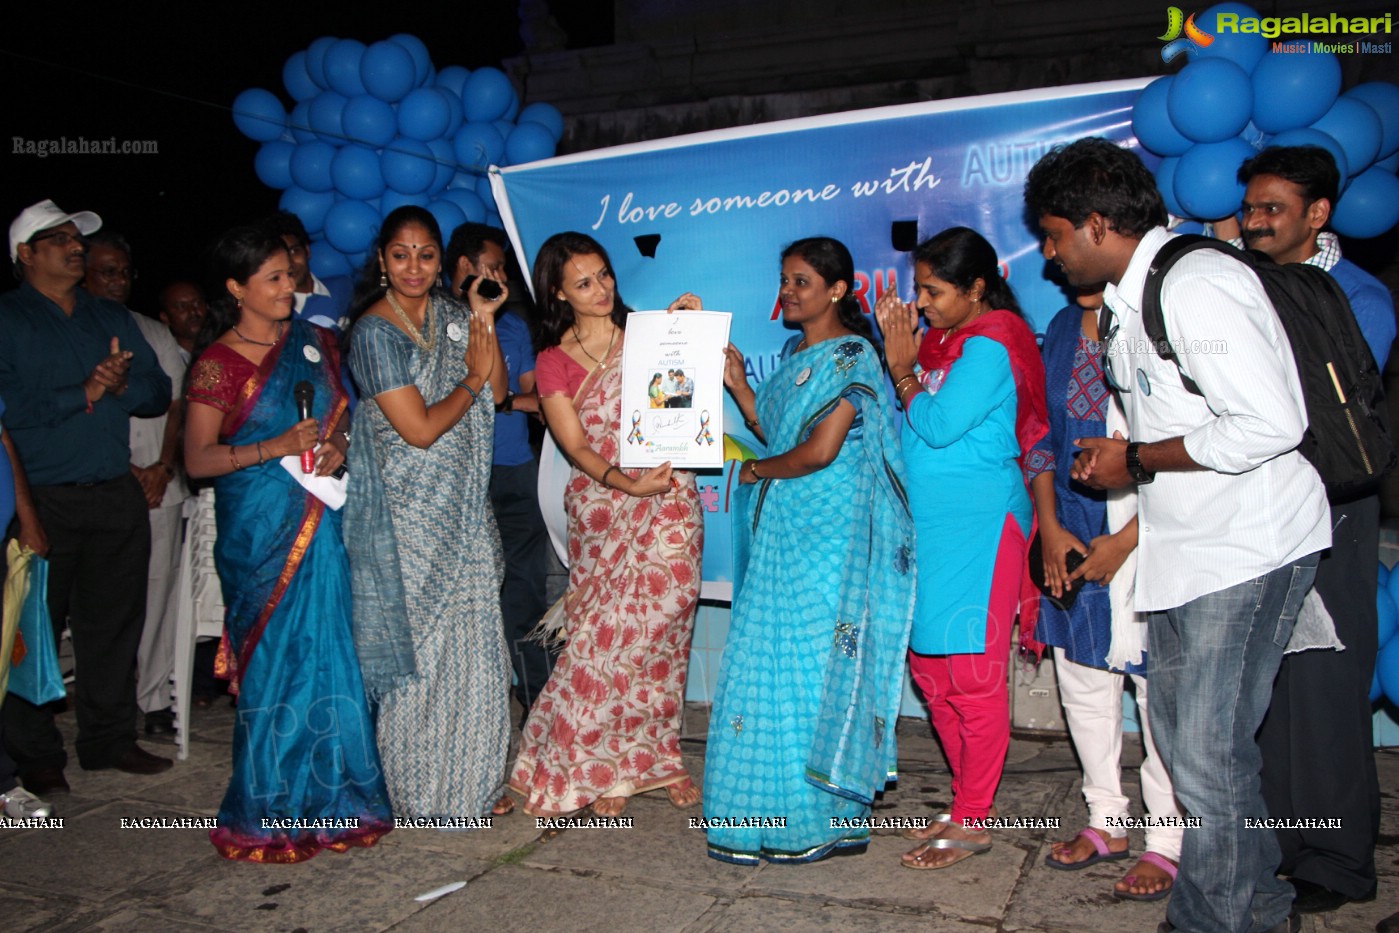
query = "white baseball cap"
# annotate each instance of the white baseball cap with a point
(44, 216)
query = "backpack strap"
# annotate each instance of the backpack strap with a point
(1152, 317)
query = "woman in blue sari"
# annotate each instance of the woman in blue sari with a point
(801, 737)
(306, 774)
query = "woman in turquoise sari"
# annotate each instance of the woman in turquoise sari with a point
(306, 773)
(801, 736)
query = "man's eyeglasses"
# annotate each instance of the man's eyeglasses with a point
(61, 238)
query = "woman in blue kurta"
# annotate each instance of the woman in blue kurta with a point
(801, 737)
(977, 406)
(1099, 639)
(306, 774)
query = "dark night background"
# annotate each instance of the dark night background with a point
(169, 73)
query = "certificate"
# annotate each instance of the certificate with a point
(673, 389)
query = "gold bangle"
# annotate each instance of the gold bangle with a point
(904, 378)
(753, 468)
(233, 458)
(605, 474)
(261, 457)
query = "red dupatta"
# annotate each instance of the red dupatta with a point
(941, 349)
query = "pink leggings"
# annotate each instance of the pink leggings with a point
(967, 693)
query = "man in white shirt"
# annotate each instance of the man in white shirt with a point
(1231, 516)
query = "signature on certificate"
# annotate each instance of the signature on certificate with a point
(661, 423)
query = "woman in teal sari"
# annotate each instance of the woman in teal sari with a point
(306, 773)
(801, 736)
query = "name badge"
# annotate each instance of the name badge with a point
(454, 332)
(311, 353)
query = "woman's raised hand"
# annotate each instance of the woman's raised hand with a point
(687, 302)
(479, 303)
(735, 372)
(898, 323)
(481, 341)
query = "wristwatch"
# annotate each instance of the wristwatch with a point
(507, 404)
(1140, 475)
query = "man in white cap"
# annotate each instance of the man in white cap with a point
(73, 370)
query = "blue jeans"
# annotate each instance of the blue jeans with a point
(1213, 661)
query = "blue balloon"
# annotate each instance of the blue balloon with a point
(484, 192)
(493, 220)
(1384, 576)
(452, 78)
(350, 226)
(310, 206)
(408, 165)
(1355, 125)
(1393, 586)
(1166, 184)
(1387, 667)
(258, 114)
(471, 206)
(356, 174)
(342, 67)
(422, 61)
(1291, 90)
(1152, 124)
(1306, 136)
(1388, 615)
(315, 60)
(449, 216)
(1244, 49)
(503, 127)
(513, 110)
(423, 115)
(393, 200)
(1206, 182)
(387, 71)
(310, 166)
(1383, 97)
(486, 95)
(273, 164)
(328, 262)
(368, 120)
(1189, 226)
(446, 162)
(463, 179)
(300, 122)
(549, 117)
(327, 115)
(1376, 691)
(478, 145)
(1210, 100)
(1370, 205)
(529, 142)
(297, 80)
(1390, 164)
(455, 117)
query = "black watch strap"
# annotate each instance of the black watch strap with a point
(1139, 473)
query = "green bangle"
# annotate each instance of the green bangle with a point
(463, 384)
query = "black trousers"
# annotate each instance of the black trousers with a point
(515, 501)
(99, 551)
(1317, 739)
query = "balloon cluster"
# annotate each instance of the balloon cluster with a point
(377, 127)
(1237, 97)
(1386, 681)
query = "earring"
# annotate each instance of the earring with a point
(238, 303)
(834, 300)
(383, 279)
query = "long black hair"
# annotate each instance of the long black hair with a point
(555, 314)
(832, 261)
(960, 256)
(236, 255)
(368, 291)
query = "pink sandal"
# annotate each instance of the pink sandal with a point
(1101, 853)
(1161, 862)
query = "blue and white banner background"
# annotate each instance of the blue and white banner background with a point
(710, 213)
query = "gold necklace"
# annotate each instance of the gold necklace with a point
(578, 337)
(413, 332)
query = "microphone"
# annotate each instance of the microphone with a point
(305, 394)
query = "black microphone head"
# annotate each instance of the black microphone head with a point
(304, 393)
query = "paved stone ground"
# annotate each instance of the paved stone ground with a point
(94, 876)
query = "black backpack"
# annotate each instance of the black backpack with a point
(1347, 438)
